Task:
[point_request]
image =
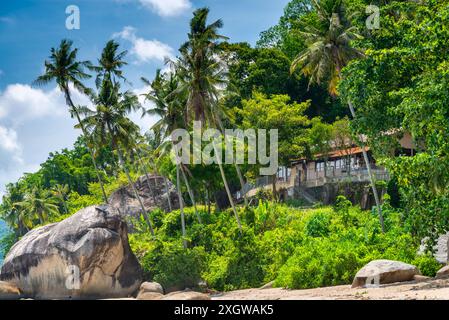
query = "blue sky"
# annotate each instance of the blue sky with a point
(34, 121)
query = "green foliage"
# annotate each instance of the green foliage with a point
(299, 248)
(318, 225)
(427, 264)
(174, 267)
(400, 87)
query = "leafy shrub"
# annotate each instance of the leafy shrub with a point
(174, 267)
(298, 248)
(320, 262)
(427, 264)
(318, 225)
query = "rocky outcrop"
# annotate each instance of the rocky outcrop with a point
(440, 249)
(379, 272)
(86, 256)
(125, 201)
(9, 291)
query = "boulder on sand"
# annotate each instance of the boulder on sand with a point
(151, 287)
(384, 271)
(86, 256)
(443, 273)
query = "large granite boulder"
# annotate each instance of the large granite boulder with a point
(86, 256)
(125, 201)
(379, 272)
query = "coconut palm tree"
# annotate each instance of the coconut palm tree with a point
(60, 193)
(109, 125)
(328, 51)
(169, 108)
(110, 63)
(203, 77)
(64, 68)
(37, 203)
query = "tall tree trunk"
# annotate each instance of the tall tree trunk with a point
(180, 199)
(191, 195)
(142, 165)
(237, 167)
(228, 191)
(242, 183)
(373, 185)
(125, 169)
(83, 129)
(181, 207)
(168, 195)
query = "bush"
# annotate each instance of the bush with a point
(427, 265)
(318, 225)
(320, 262)
(174, 267)
(298, 248)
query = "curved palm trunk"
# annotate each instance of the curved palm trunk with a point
(125, 169)
(136, 193)
(181, 207)
(148, 178)
(373, 185)
(242, 183)
(192, 197)
(83, 129)
(181, 201)
(237, 167)
(228, 192)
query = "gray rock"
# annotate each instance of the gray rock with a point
(150, 296)
(420, 278)
(441, 248)
(93, 243)
(151, 287)
(125, 201)
(384, 271)
(186, 295)
(443, 273)
(9, 291)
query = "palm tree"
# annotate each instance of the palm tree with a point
(203, 77)
(65, 69)
(328, 51)
(37, 203)
(109, 124)
(169, 108)
(60, 192)
(110, 63)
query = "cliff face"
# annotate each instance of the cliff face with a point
(153, 192)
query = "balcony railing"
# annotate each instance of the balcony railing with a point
(316, 179)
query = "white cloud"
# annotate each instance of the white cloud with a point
(167, 8)
(20, 102)
(33, 122)
(145, 50)
(9, 144)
